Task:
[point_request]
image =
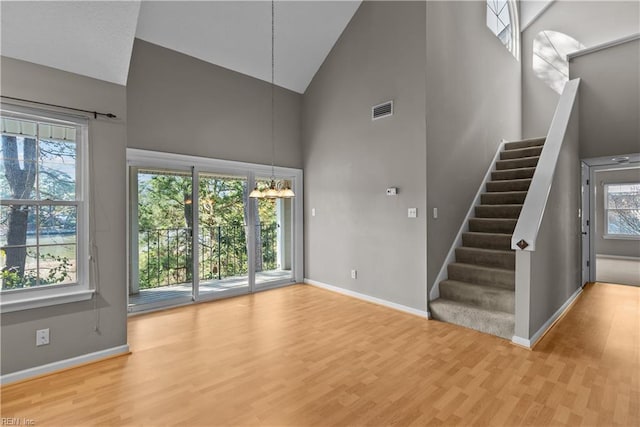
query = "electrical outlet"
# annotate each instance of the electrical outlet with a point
(354, 274)
(412, 212)
(392, 191)
(42, 337)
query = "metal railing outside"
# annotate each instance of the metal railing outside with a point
(166, 257)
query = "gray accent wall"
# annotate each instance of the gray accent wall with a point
(180, 104)
(609, 100)
(350, 160)
(612, 246)
(473, 101)
(589, 22)
(72, 325)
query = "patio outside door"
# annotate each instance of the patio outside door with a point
(162, 238)
(222, 246)
(195, 234)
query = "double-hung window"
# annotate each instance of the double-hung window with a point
(43, 212)
(622, 210)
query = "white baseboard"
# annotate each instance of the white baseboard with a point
(457, 242)
(529, 343)
(368, 298)
(63, 364)
(618, 257)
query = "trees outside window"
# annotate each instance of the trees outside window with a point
(622, 210)
(40, 203)
(165, 228)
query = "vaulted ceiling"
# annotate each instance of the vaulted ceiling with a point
(95, 38)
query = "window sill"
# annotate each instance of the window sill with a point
(620, 237)
(45, 301)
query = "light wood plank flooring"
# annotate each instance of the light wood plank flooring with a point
(303, 356)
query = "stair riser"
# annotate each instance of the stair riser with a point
(499, 211)
(512, 174)
(504, 279)
(479, 296)
(534, 142)
(517, 163)
(490, 241)
(488, 225)
(490, 259)
(520, 153)
(508, 185)
(513, 198)
(484, 323)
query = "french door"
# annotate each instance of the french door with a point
(195, 235)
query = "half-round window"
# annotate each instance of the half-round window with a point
(502, 20)
(550, 63)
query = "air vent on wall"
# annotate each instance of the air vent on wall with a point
(382, 110)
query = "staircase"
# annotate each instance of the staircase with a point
(479, 292)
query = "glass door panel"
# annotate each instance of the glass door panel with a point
(162, 247)
(222, 235)
(274, 237)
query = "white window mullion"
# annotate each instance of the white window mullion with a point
(70, 163)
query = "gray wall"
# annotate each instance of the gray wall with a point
(616, 247)
(556, 263)
(609, 100)
(589, 22)
(72, 325)
(179, 104)
(349, 160)
(473, 101)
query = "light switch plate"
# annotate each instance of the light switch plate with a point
(412, 212)
(42, 337)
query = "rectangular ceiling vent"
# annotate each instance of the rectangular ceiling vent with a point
(382, 110)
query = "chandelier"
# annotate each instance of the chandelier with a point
(280, 190)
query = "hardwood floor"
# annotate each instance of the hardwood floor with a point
(307, 357)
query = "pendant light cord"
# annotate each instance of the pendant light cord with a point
(273, 140)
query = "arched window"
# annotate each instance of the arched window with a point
(502, 20)
(550, 63)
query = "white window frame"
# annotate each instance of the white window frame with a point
(606, 234)
(47, 295)
(514, 45)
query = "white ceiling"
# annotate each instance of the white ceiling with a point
(95, 38)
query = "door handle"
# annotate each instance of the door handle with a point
(584, 233)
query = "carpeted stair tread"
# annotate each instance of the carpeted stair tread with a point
(518, 153)
(508, 185)
(531, 142)
(524, 162)
(498, 211)
(492, 225)
(487, 240)
(486, 257)
(479, 291)
(520, 173)
(487, 297)
(481, 275)
(503, 198)
(488, 321)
